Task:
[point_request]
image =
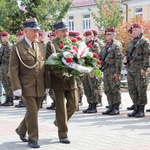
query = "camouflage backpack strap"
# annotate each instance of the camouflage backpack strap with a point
(30, 67)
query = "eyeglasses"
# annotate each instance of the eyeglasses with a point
(108, 34)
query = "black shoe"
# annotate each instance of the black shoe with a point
(16, 98)
(22, 137)
(33, 144)
(114, 112)
(21, 104)
(108, 110)
(52, 107)
(64, 140)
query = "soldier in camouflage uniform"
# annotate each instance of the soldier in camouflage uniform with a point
(137, 59)
(111, 57)
(91, 83)
(4, 60)
(100, 87)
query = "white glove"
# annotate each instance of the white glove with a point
(46, 91)
(18, 92)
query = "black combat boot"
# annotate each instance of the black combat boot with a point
(136, 108)
(148, 110)
(108, 110)
(93, 108)
(140, 112)
(9, 102)
(89, 107)
(100, 102)
(20, 105)
(131, 107)
(115, 110)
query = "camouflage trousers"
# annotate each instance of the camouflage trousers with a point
(137, 86)
(91, 91)
(6, 81)
(111, 87)
(80, 88)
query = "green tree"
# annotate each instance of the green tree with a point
(108, 14)
(47, 13)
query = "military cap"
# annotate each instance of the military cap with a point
(88, 32)
(51, 34)
(110, 30)
(74, 34)
(94, 32)
(4, 33)
(19, 33)
(31, 24)
(137, 25)
(61, 25)
(41, 34)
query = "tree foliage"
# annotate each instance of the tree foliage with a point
(108, 14)
(47, 13)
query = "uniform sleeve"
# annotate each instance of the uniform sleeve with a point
(118, 58)
(14, 69)
(146, 55)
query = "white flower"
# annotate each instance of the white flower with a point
(67, 54)
(53, 56)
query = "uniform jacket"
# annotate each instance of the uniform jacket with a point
(5, 53)
(140, 55)
(113, 58)
(31, 81)
(57, 81)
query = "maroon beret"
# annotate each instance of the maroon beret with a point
(94, 32)
(4, 34)
(110, 30)
(136, 25)
(20, 33)
(74, 34)
(88, 32)
(51, 34)
(41, 34)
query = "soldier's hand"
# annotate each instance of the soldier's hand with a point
(8, 74)
(143, 73)
(116, 76)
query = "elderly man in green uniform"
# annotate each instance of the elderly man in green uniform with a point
(111, 57)
(4, 61)
(91, 83)
(65, 91)
(27, 71)
(137, 59)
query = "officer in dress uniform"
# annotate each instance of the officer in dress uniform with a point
(91, 83)
(111, 57)
(65, 91)
(27, 78)
(137, 59)
(4, 61)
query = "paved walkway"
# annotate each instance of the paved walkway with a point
(86, 131)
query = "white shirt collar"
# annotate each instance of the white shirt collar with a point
(28, 41)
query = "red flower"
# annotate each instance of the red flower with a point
(99, 62)
(90, 46)
(79, 38)
(95, 55)
(74, 40)
(68, 59)
(61, 46)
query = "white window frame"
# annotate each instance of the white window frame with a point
(86, 22)
(71, 23)
(140, 12)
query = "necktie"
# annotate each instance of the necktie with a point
(32, 45)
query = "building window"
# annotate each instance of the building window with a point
(138, 11)
(86, 22)
(71, 23)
